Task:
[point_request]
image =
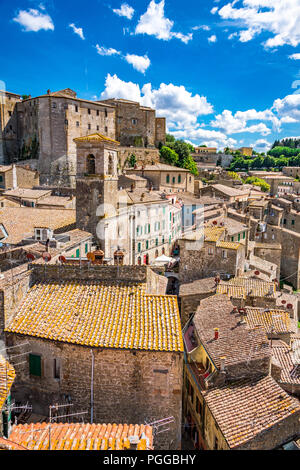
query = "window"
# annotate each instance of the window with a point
(76, 109)
(66, 122)
(9, 113)
(90, 165)
(78, 253)
(293, 222)
(35, 365)
(179, 178)
(173, 180)
(77, 124)
(210, 250)
(89, 127)
(232, 239)
(244, 235)
(56, 369)
(284, 221)
(98, 128)
(105, 112)
(224, 254)
(239, 237)
(89, 111)
(168, 178)
(139, 261)
(134, 122)
(139, 247)
(98, 112)
(53, 105)
(86, 248)
(147, 245)
(106, 129)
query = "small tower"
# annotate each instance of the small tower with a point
(96, 181)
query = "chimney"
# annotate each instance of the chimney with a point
(15, 179)
(222, 363)
(242, 312)
(48, 92)
(216, 330)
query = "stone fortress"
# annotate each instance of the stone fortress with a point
(40, 131)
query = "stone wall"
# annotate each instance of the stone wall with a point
(129, 386)
(144, 156)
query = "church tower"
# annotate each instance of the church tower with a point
(96, 182)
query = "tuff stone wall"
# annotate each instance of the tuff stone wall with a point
(144, 156)
(198, 264)
(129, 386)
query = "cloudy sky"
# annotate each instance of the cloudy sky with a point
(222, 72)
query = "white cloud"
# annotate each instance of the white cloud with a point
(295, 56)
(214, 10)
(140, 63)
(234, 124)
(212, 38)
(154, 23)
(204, 27)
(78, 31)
(178, 105)
(261, 145)
(34, 20)
(106, 51)
(125, 10)
(288, 107)
(280, 18)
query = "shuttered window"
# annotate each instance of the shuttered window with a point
(35, 365)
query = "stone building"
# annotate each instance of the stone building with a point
(207, 253)
(166, 177)
(231, 402)
(18, 176)
(136, 125)
(141, 222)
(108, 328)
(41, 131)
(8, 126)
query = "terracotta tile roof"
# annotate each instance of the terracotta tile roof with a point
(246, 287)
(6, 444)
(230, 191)
(7, 376)
(237, 342)
(199, 286)
(96, 138)
(280, 319)
(247, 408)
(31, 194)
(99, 314)
(66, 436)
(290, 372)
(21, 221)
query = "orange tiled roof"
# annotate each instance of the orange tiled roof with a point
(7, 376)
(228, 245)
(290, 371)
(99, 314)
(66, 436)
(246, 408)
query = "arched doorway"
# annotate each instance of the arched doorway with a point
(90, 165)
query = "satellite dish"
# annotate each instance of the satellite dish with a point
(30, 257)
(47, 257)
(62, 259)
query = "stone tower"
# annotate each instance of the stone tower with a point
(96, 182)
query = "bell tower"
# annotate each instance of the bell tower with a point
(96, 181)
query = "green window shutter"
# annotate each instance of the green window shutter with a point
(77, 253)
(35, 365)
(239, 237)
(86, 248)
(244, 235)
(232, 239)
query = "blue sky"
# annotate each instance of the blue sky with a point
(222, 72)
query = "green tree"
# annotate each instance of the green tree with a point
(169, 155)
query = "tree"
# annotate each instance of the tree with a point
(169, 155)
(190, 164)
(132, 160)
(170, 138)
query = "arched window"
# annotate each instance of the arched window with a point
(179, 178)
(90, 165)
(139, 261)
(168, 179)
